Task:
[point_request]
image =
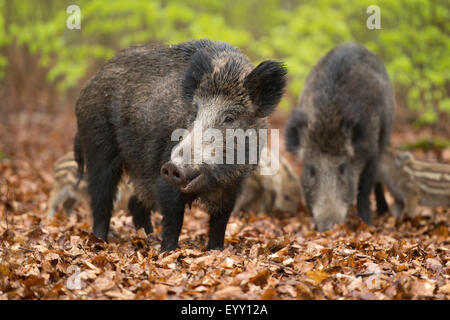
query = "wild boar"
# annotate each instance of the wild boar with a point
(131, 112)
(340, 130)
(413, 182)
(276, 193)
(67, 189)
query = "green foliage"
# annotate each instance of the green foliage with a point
(428, 144)
(413, 40)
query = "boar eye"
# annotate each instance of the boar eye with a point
(342, 168)
(311, 171)
(229, 118)
(286, 197)
(309, 176)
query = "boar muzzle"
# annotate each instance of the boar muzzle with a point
(188, 180)
(173, 174)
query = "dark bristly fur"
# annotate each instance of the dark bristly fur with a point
(340, 129)
(265, 90)
(69, 187)
(78, 155)
(129, 109)
(199, 67)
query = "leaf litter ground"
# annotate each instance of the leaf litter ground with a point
(265, 256)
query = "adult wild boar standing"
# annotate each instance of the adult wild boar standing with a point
(340, 129)
(128, 111)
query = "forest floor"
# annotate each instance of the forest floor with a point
(265, 256)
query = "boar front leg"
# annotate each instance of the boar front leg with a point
(382, 206)
(172, 204)
(219, 216)
(366, 183)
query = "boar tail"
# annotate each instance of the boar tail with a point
(79, 158)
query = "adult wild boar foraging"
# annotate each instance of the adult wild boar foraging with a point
(128, 111)
(340, 130)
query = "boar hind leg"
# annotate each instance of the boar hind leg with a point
(411, 204)
(141, 214)
(68, 205)
(382, 206)
(398, 208)
(103, 177)
(366, 184)
(56, 198)
(172, 205)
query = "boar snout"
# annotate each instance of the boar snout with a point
(324, 225)
(173, 174)
(329, 212)
(327, 223)
(187, 179)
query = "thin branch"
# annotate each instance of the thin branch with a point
(285, 267)
(366, 274)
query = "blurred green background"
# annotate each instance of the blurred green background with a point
(42, 62)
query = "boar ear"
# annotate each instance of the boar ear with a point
(199, 66)
(265, 86)
(295, 128)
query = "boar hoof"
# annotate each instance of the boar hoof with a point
(212, 246)
(168, 247)
(101, 233)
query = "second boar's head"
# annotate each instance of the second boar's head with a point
(331, 169)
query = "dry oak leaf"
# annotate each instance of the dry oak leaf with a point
(260, 279)
(100, 261)
(104, 282)
(231, 292)
(4, 270)
(445, 288)
(228, 263)
(433, 264)
(317, 275)
(270, 294)
(304, 292)
(287, 290)
(205, 261)
(355, 284)
(120, 294)
(277, 256)
(422, 287)
(329, 290)
(52, 257)
(160, 292)
(34, 280)
(288, 262)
